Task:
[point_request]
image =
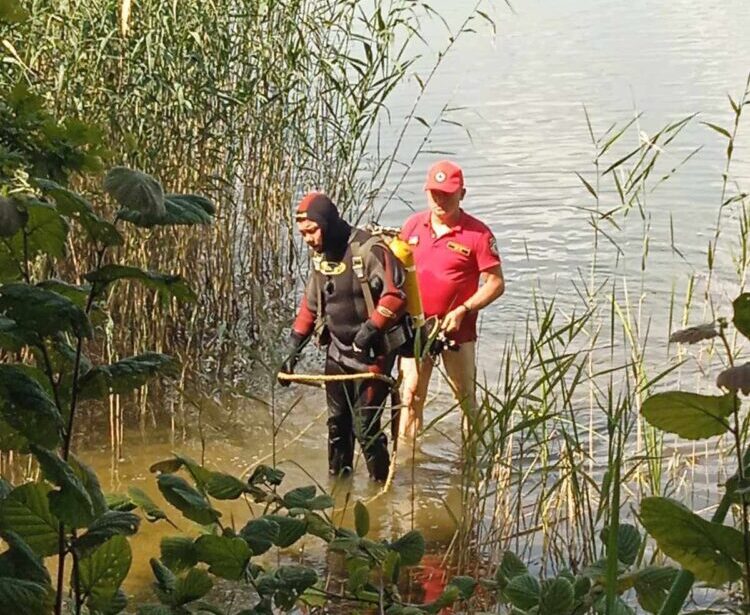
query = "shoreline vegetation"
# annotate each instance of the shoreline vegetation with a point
(609, 476)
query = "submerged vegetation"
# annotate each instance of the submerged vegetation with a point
(574, 500)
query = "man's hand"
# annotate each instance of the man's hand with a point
(291, 351)
(364, 340)
(453, 319)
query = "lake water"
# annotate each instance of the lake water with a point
(521, 95)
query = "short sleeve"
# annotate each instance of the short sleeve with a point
(486, 250)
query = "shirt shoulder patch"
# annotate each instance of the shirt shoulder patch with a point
(493, 246)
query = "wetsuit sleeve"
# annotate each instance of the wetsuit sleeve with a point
(304, 324)
(387, 269)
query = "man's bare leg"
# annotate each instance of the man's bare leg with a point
(414, 385)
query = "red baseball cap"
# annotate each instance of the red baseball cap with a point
(445, 176)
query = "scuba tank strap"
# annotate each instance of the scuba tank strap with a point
(359, 252)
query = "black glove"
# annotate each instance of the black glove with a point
(291, 352)
(364, 340)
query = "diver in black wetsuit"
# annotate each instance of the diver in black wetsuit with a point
(354, 301)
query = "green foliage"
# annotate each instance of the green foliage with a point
(70, 503)
(361, 519)
(42, 312)
(109, 524)
(136, 191)
(26, 511)
(689, 415)
(27, 408)
(186, 499)
(709, 550)
(104, 569)
(180, 209)
(168, 286)
(126, 375)
(410, 547)
(146, 504)
(741, 318)
(226, 556)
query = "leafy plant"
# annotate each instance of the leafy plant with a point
(708, 550)
(51, 322)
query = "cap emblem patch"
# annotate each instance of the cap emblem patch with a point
(440, 177)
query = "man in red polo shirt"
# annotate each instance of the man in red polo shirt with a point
(452, 251)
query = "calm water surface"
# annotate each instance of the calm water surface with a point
(521, 95)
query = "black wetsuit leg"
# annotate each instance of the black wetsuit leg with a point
(340, 429)
(355, 408)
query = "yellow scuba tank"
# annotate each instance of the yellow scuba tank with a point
(402, 251)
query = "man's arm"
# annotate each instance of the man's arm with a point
(492, 288)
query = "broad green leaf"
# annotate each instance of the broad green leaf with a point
(27, 408)
(689, 415)
(199, 474)
(450, 594)
(27, 597)
(111, 523)
(181, 209)
(224, 486)
(178, 553)
(227, 557)
(90, 482)
(706, 549)
(466, 586)
(12, 217)
(361, 519)
(510, 566)
(293, 580)
(556, 596)
(109, 606)
(20, 561)
(652, 584)
(104, 570)
(119, 501)
(77, 294)
(46, 232)
(318, 526)
(13, 337)
(264, 474)
(74, 206)
(523, 591)
(166, 580)
(71, 503)
(146, 504)
(260, 534)
(581, 587)
(26, 512)
(126, 375)
(304, 497)
(290, 530)
(628, 542)
(410, 547)
(136, 191)
(167, 286)
(358, 574)
(192, 586)
(42, 312)
(186, 499)
(741, 319)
